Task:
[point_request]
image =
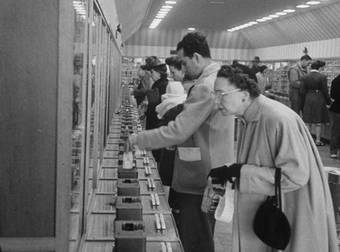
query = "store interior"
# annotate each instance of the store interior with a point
(72, 59)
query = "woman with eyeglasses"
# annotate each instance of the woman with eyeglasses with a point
(273, 136)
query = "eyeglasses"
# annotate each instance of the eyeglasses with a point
(219, 95)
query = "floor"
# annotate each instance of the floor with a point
(223, 230)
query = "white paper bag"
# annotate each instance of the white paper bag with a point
(225, 208)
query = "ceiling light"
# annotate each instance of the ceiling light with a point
(289, 11)
(163, 11)
(170, 2)
(166, 7)
(281, 13)
(302, 6)
(253, 23)
(273, 16)
(313, 2)
(160, 16)
(268, 18)
(191, 28)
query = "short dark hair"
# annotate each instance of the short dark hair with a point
(240, 80)
(194, 42)
(262, 68)
(306, 57)
(317, 64)
(174, 61)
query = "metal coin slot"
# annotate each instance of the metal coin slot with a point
(132, 227)
(130, 200)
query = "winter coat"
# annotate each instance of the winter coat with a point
(199, 125)
(272, 135)
(314, 94)
(154, 98)
(335, 95)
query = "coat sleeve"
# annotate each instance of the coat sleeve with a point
(335, 90)
(291, 155)
(303, 90)
(197, 109)
(293, 77)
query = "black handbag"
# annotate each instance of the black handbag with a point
(270, 224)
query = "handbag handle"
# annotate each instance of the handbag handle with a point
(278, 188)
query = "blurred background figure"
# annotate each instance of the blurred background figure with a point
(335, 117)
(315, 98)
(295, 73)
(262, 80)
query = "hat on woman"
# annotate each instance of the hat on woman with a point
(175, 94)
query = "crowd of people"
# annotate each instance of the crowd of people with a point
(190, 122)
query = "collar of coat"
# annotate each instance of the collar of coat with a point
(252, 113)
(208, 70)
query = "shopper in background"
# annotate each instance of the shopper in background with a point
(335, 117)
(273, 136)
(204, 139)
(262, 80)
(244, 69)
(255, 68)
(145, 82)
(315, 98)
(295, 73)
(159, 76)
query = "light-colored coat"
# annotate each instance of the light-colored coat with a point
(199, 125)
(272, 135)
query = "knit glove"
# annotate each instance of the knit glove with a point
(220, 175)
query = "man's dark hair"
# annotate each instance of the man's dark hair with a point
(317, 64)
(174, 61)
(240, 80)
(194, 42)
(306, 57)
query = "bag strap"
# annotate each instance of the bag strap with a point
(278, 187)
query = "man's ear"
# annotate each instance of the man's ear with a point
(197, 58)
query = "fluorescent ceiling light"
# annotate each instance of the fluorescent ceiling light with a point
(281, 13)
(261, 20)
(164, 10)
(268, 18)
(289, 11)
(166, 7)
(170, 2)
(313, 2)
(191, 28)
(302, 6)
(253, 23)
(273, 16)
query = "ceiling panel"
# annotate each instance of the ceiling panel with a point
(163, 37)
(210, 14)
(318, 23)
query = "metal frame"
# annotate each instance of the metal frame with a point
(64, 115)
